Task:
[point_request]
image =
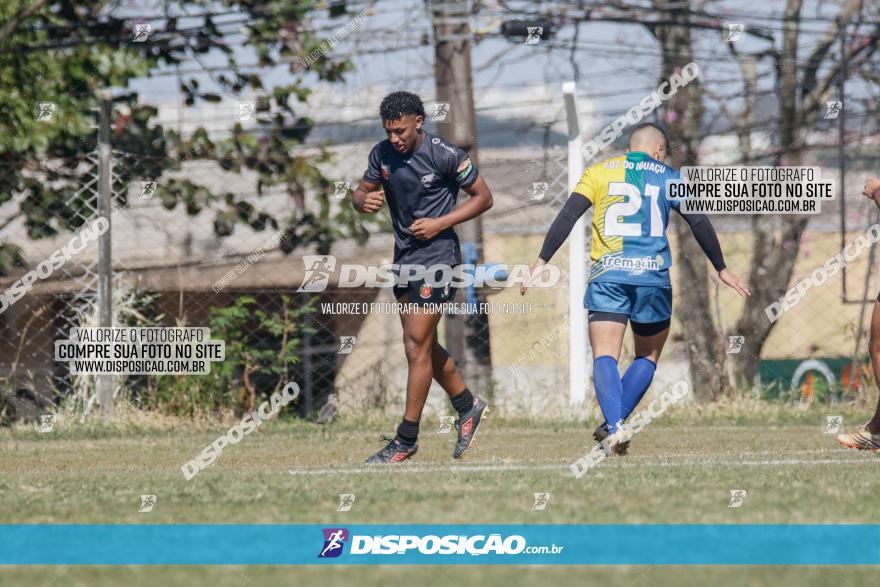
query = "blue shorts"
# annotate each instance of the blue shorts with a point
(642, 303)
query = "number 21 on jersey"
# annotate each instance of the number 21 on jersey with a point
(616, 214)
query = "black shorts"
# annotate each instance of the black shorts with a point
(423, 294)
(640, 328)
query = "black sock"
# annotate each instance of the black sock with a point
(463, 401)
(408, 432)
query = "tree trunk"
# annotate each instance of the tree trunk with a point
(705, 350)
(774, 250)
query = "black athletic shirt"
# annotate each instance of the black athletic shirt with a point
(421, 184)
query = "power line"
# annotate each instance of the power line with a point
(588, 9)
(163, 17)
(256, 17)
(250, 18)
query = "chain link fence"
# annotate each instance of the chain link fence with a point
(51, 285)
(174, 265)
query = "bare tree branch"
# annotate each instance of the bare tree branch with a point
(21, 15)
(825, 43)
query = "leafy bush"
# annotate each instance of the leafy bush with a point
(261, 349)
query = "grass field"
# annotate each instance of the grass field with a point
(680, 470)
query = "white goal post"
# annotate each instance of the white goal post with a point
(577, 262)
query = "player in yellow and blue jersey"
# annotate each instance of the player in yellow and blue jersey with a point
(629, 274)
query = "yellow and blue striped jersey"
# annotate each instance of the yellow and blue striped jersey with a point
(630, 215)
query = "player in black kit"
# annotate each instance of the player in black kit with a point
(419, 176)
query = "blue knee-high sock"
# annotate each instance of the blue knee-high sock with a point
(635, 383)
(609, 389)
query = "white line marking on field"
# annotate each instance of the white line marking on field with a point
(427, 469)
(548, 463)
(668, 461)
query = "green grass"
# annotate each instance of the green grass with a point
(680, 470)
(446, 576)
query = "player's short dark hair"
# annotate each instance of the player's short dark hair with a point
(656, 127)
(399, 104)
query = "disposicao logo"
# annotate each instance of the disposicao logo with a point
(334, 540)
(432, 544)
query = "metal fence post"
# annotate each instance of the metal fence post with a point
(104, 383)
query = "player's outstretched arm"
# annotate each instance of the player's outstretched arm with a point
(708, 240)
(480, 200)
(574, 208)
(368, 198)
(872, 190)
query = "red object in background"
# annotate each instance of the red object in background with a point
(118, 124)
(849, 373)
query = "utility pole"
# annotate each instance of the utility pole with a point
(104, 382)
(467, 337)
